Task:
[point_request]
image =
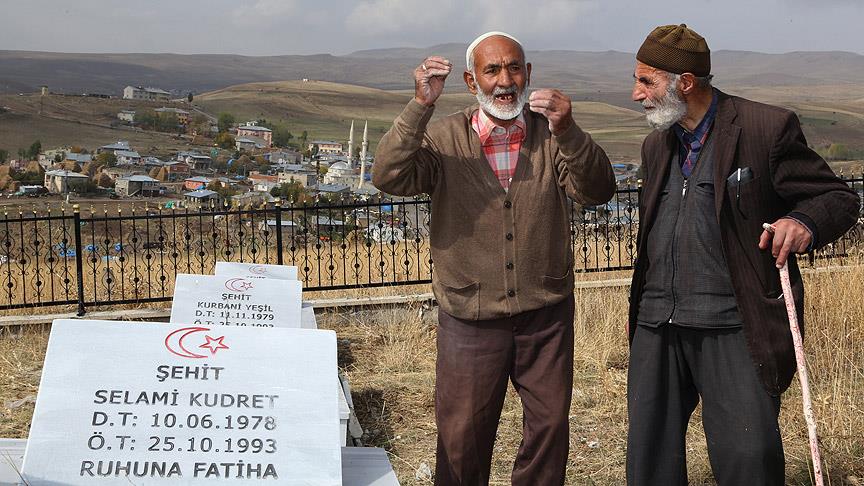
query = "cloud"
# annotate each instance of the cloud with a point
(385, 17)
(464, 20)
(264, 13)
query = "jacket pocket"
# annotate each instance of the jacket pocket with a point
(556, 288)
(461, 301)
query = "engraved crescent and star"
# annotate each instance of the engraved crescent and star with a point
(179, 348)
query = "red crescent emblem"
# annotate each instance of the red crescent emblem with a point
(174, 342)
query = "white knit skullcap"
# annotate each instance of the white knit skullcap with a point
(483, 37)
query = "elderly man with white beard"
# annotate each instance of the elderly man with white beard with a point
(499, 176)
(707, 320)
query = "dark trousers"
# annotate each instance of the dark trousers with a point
(534, 350)
(670, 369)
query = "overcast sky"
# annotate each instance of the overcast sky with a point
(274, 27)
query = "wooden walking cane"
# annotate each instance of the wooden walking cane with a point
(802, 367)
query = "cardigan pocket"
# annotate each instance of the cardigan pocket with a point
(555, 289)
(462, 302)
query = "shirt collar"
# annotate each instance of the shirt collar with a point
(484, 126)
(686, 137)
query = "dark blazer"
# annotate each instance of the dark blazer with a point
(787, 177)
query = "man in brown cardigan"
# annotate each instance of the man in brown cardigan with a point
(707, 320)
(499, 176)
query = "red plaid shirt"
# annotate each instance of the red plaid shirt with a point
(500, 145)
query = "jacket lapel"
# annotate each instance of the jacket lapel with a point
(725, 145)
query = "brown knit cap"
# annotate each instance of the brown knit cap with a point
(677, 49)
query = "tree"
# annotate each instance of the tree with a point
(225, 140)
(281, 136)
(291, 191)
(224, 192)
(225, 121)
(189, 97)
(35, 150)
(4, 155)
(107, 158)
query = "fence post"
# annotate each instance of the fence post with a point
(79, 264)
(278, 207)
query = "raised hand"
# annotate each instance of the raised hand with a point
(429, 79)
(555, 106)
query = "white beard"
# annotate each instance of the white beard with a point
(509, 112)
(667, 111)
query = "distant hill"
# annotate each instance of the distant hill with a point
(589, 76)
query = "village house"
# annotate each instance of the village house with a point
(114, 147)
(263, 182)
(330, 189)
(283, 157)
(79, 159)
(195, 161)
(63, 181)
(127, 157)
(306, 176)
(137, 185)
(252, 198)
(250, 129)
(177, 170)
(249, 143)
(127, 116)
(196, 183)
(123, 171)
(182, 115)
(327, 147)
(146, 94)
(203, 198)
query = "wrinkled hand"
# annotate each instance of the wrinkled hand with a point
(555, 106)
(429, 79)
(788, 236)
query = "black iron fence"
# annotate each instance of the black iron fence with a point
(98, 258)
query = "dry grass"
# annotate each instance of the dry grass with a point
(389, 356)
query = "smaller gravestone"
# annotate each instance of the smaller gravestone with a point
(278, 272)
(236, 301)
(256, 270)
(152, 404)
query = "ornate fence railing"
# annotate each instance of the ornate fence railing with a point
(95, 258)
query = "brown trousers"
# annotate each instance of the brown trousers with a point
(534, 350)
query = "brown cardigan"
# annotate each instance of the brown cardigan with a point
(496, 253)
(787, 176)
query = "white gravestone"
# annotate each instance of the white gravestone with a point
(135, 404)
(259, 270)
(278, 272)
(236, 301)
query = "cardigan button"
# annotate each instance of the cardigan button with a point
(508, 204)
(511, 293)
(509, 265)
(509, 236)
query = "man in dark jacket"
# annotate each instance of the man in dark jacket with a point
(707, 320)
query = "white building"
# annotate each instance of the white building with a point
(327, 147)
(147, 94)
(114, 147)
(127, 157)
(62, 181)
(127, 116)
